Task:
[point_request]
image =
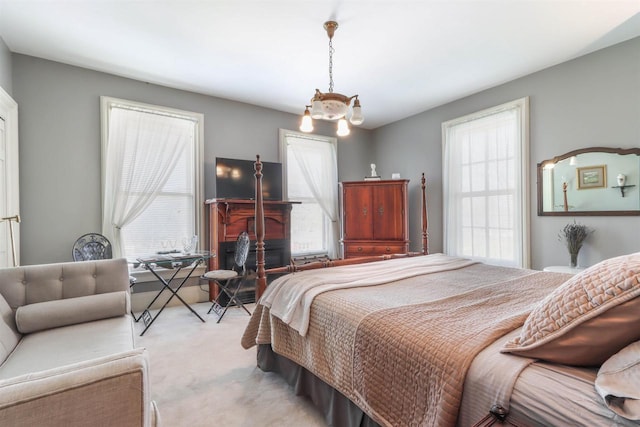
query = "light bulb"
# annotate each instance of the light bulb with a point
(306, 124)
(356, 117)
(343, 127)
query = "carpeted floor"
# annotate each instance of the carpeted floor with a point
(201, 376)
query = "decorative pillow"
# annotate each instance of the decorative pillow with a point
(617, 382)
(588, 318)
(69, 311)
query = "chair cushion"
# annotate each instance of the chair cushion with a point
(220, 274)
(69, 311)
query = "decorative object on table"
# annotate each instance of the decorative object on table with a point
(564, 193)
(574, 235)
(189, 244)
(395, 176)
(592, 177)
(332, 105)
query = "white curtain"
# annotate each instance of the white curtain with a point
(142, 150)
(484, 187)
(318, 163)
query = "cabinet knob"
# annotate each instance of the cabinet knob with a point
(388, 249)
(365, 211)
(381, 210)
(359, 248)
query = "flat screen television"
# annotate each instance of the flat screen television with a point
(235, 179)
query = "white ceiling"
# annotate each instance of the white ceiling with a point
(402, 57)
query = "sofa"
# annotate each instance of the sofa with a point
(67, 346)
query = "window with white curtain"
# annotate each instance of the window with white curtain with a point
(152, 186)
(485, 185)
(310, 169)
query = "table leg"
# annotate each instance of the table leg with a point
(147, 318)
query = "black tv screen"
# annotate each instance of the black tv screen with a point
(235, 179)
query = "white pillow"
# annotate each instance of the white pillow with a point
(618, 382)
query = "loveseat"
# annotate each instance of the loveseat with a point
(67, 347)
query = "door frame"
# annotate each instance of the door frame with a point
(9, 112)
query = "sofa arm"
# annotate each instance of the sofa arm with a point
(113, 390)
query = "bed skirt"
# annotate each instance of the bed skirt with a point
(336, 408)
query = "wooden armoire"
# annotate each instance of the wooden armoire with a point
(374, 217)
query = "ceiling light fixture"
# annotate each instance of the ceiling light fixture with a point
(331, 105)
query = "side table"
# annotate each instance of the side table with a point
(175, 262)
(563, 269)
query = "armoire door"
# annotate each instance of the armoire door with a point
(358, 205)
(388, 215)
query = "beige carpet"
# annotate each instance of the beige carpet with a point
(201, 376)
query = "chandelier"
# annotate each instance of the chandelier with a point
(332, 105)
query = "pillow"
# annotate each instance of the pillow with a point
(52, 314)
(588, 318)
(617, 382)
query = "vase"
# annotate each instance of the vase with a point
(621, 179)
(574, 259)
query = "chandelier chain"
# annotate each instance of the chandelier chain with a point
(331, 50)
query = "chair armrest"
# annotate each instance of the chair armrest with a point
(112, 390)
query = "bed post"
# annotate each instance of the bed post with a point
(261, 279)
(425, 220)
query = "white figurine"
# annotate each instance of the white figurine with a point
(373, 169)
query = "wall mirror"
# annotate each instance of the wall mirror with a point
(590, 181)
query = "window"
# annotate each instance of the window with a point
(485, 185)
(151, 177)
(310, 170)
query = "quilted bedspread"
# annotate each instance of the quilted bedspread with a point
(400, 351)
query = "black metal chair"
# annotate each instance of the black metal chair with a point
(230, 281)
(91, 246)
(94, 246)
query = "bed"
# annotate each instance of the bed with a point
(442, 341)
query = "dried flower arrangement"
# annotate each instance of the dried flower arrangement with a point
(574, 236)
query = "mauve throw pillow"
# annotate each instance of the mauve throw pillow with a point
(588, 318)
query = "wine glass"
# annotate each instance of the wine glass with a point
(189, 244)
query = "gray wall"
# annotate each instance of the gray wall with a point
(60, 146)
(591, 101)
(6, 78)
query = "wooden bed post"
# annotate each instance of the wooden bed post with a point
(425, 220)
(261, 280)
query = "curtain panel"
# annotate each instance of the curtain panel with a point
(142, 150)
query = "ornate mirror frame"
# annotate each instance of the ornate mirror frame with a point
(545, 164)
